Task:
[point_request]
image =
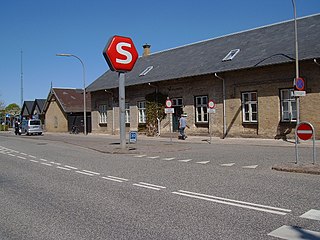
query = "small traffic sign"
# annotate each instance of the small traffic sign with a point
(211, 104)
(304, 131)
(120, 54)
(168, 103)
(169, 110)
(299, 84)
(133, 136)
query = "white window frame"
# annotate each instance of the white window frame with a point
(201, 104)
(127, 113)
(103, 109)
(288, 105)
(249, 107)
(142, 112)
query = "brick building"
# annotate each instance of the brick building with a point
(64, 108)
(249, 75)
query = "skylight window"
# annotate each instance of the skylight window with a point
(231, 55)
(144, 72)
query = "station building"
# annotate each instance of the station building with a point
(249, 75)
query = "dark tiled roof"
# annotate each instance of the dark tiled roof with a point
(273, 44)
(71, 100)
(38, 103)
(26, 108)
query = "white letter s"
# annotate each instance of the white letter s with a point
(124, 53)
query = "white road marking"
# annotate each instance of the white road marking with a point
(250, 167)
(87, 171)
(312, 214)
(294, 233)
(21, 157)
(12, 155)
(122, 179)
(236, 203)
(140, 156)
(68, 169)
(168, 159)
(203, 162)
(154, 157)
(43, 160)
(22, 153)
(32, 156)
(47, 164)
(14, 151)
(185, 160)
(67, 166)
(145, 186)
(33, 161)
(227, 164)
(112, 179)
(152, 185)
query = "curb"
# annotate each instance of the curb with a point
(308, 169)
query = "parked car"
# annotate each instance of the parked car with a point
(30, 127)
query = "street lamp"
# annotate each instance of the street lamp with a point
(297, 56)
(84, 88)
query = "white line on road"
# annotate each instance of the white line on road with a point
(145, 186)
(294, 233)
(122, 179)
(140, 156)
(154, 157)
(227, 164)
(203, 162)
(43, 160)
(250, 167)
(33, 161)
(236, 203)
(112, 179)
(152, 185)
(22, 153)
(67, 166)
(168, 159)
(313, 214)
(47, 164)
(12, 155)
(87, 171)
(21, 157)
(185, 160)
(32, 156)
(68, 169)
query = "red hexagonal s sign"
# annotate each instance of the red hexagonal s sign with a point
(120, 54)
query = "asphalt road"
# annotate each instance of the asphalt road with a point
(50, 189)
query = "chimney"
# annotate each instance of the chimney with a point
(146, 49)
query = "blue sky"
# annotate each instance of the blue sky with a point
(42, 28)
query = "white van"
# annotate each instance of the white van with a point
(32, 126)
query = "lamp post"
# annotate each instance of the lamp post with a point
(84, 88)
(297, 55)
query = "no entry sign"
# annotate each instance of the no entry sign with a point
(304, 131)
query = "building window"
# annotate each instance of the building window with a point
(201, 109)
(127, 113)
(176, 102)
(288, 106)
(249, 107)
(103, 113)
(142, 111)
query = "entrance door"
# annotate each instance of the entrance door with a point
(177, 105)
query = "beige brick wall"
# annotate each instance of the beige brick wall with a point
(55, 119)
(266, 81)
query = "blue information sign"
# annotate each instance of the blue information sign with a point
(133, 136)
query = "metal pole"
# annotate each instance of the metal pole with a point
(122, 110)
(170, 114)
(296, 144)
(297, 55)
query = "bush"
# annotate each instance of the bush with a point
(4, 127)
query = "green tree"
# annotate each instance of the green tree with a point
(13, 109)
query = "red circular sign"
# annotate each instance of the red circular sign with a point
(120, 54)
(304, 131)
(168, 103)
(299, 84)
(211, 104)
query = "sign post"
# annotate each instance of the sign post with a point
(169, 110)
(305, 131)
(211, 109)
(121, 55)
